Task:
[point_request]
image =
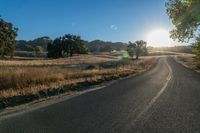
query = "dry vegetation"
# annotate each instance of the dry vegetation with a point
(23, 77)
(75, 60)
(188, 60)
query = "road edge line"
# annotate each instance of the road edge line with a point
(153, 100)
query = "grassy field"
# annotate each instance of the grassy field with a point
(75, 60)
(21, 78)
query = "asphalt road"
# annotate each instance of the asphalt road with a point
(165, 99)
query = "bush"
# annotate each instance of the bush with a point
(196, 51)
(38, 49)
(68, 45)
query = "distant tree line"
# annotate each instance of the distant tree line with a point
(66, 46)
(92, 46)
(38, 45)
(7, 38)
(105, 46)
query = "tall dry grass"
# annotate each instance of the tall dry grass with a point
(16, 81)
(24, 77)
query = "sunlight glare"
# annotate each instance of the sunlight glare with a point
(159, 38)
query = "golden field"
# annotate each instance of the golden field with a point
(29, 77)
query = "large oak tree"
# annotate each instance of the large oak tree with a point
(7, 38)
(138, 48)
(66, 45)
(185, 15)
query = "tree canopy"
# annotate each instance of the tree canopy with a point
(7, 38)
(185, 15)
(66, 46)
(196, 51)
(32, 45)
(138, 48)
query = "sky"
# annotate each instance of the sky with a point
(109, 20)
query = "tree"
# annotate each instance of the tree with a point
(138, 48)
(7, 38)
(54, 49)
(28, 47)
(131, 49)
(66, 46)
(185, 15)
(38, 49)
(81, 47)
(196, 51)
(41, 41)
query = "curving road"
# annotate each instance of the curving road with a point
(165, 99)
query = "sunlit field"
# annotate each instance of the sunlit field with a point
(100, 66)
(30, 77)
(75, 60)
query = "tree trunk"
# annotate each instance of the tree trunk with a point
(2, 53)
(137, 56)
(11, 55)
(71, 53)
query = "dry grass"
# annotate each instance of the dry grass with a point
(189, 61)
(182, 58)
(15, 81)
(35, 89)
(186, 60)
(75, 60)
(24, 77)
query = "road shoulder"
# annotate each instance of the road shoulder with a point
(44, 102)
(187, 60)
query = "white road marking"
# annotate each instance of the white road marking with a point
(158, 94)
(21, 110)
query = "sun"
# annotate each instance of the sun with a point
(159, 38)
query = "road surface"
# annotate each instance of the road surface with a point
(165, 99)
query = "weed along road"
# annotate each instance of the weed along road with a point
(165, 99)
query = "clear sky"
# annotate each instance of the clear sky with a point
(111, 20)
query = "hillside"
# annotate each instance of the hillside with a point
(93, 46)
(105, 46)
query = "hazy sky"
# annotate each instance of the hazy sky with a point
(113, 20)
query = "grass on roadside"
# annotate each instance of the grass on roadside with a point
(75, 60)
(189, 61)
(17, 81)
